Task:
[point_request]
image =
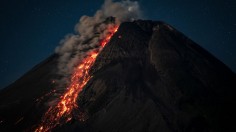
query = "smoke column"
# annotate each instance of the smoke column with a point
(89, 32)
(78, 53)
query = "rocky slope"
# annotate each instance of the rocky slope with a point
(19, 109)
(150, 77)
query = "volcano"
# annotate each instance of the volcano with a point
(149, 77)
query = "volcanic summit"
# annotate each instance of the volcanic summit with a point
(148, 77)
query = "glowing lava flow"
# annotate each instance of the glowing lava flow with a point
(62, 112)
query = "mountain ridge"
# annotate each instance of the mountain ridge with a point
(168, 58)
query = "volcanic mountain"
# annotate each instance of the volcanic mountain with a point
(149, 77)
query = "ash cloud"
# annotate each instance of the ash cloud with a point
(89, 31)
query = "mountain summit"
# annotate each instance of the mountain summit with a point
(149, 77)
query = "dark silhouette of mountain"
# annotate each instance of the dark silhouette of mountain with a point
(18, 109)
(149, 77)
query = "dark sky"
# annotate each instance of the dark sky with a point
(31, 29)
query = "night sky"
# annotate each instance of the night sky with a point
(31, 29)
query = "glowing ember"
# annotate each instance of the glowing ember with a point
(62, 112)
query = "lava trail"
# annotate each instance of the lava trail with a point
(62, 111)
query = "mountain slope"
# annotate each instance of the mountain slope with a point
(18, 108)
(151, 77)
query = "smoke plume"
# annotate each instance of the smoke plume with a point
(90, 31)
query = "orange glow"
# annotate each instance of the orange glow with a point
(62, 112)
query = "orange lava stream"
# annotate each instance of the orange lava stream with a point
(62, 112)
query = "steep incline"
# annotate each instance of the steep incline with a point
(18, 102)
(151, 77)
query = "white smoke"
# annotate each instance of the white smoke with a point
(90, 30)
